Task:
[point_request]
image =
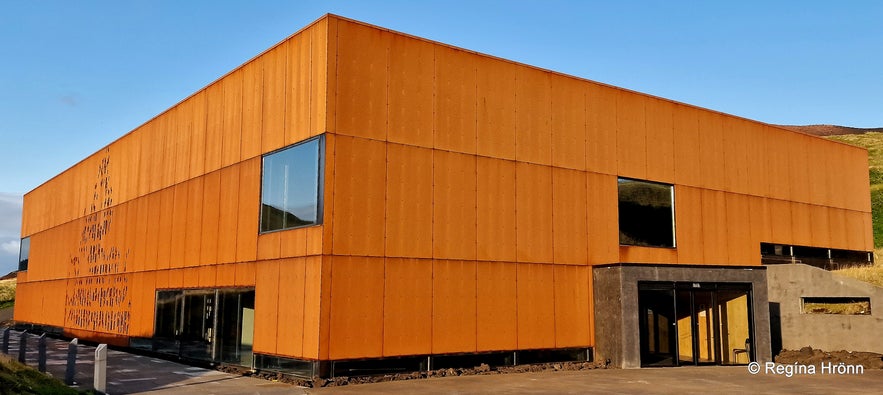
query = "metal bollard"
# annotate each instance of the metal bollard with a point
(22, 346)
(41, 354)
(6, 341)
(101, 368)
(71, 362)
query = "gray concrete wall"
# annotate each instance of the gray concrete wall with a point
(792, 329)
(617, 330)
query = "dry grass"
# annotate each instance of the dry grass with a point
(7, 293)
(850, 308)
(872, 274)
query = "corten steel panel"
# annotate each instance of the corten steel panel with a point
(193, 231)
(855, 162)
(711, 150)
(249, 209)
(318, 76)
(225, 275)
(536, 306)
(152, 236)
(146, 159)
(635, 254)
(735, 156)
(324, 306)
(800, 224)
(138, 236)
(742, 250)
(453, 306)
(53, 308)
(177, 245)
(569, 217)
(269, 245)
(328, 194)
(273, 104)
(454, 200)
(143, 287)
(495, 209)
(660, 139)
(314, 240)
(603, 222)
(409, 201)
(206, 276)
(293, 242)
(495, 122)
(231, 134)
(778, 157)
(761, 219)
(780, 222)
(688, 225)
(312, 306)
(533, 116)
(167, 133)
(197, 124)
(245, 275)
(156, 139)
(600, 129)
(228, 217)
(252, 108)
(290, 329)
(868, 232)
(758, 182)
(356, 307)
(411, 69)
(176, 278)
(297, 97)
(798, 175)
(210, 213)
(496, 306)
(266, 295)
(844, 228)
(181, 139)
(454, 117)
(362, 72)
(214, 131)
(40, 255)
(572, 308)
(164, 241)
(685, 126)
(631, 135)
(328, 82)
(162, 278)
(714, 227)
(407, 307)
(360, 185)
(819, 226)
(568, 122)
(533, 197)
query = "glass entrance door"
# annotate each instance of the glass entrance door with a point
(694, 323)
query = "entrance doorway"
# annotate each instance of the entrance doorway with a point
(206, 324)
(695, 323)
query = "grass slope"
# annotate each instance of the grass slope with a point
(16, 378)
(7, 293)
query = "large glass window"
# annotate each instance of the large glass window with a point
(646, 213)
(290, 187)
(24, 253)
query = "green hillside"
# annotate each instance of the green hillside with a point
(873, 142)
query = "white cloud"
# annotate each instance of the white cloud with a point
(10, 215)
(10, 247)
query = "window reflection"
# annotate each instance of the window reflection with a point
(646, 213)
(290, 187)
(24, 253)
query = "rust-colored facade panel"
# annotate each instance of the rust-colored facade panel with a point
(569, 217)
(293, 243)
(533, 194)
(455, 105)
(453, 208)
(249, 209)
(819, 225)
(290, 313)
(298, 93)
(535, 295)
(572, 306)
(407, 307)
(453, 306)
(533, 116)
(495, 210)
(601, 132)
(411, 91)
(211, 195)
(266, 302)
(631, 135)
(761, 219)
(735, 156)
(252, 111)
(275, 62)
(409, 201)
(228, 214)
(312, 321)
(359, 198)
(318, 59)
(214, 126)
(685, 127)
(801, 224)
(164, 238)
(231, 133)
(741, 248)
(356, 310)
(495, 122)
(269, 246)
(660, 140)
(496, 307)
(781, 228)
(714, 227)
(711, 150)
(603, 225)
(638, 254)
(193, 231)
(689, 236)
(362, 81)
(568, 122)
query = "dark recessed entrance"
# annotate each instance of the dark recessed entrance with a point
(695, 323)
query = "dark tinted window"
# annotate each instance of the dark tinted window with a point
(24, 253)
(290, 187)
(646, 213)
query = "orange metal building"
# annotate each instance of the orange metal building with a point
(465, 206)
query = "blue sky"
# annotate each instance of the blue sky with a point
(76, 75)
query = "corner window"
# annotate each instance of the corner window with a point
(646, 214)
(24, 253)
(290, 187)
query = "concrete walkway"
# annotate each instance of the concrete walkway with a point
(135, 374)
